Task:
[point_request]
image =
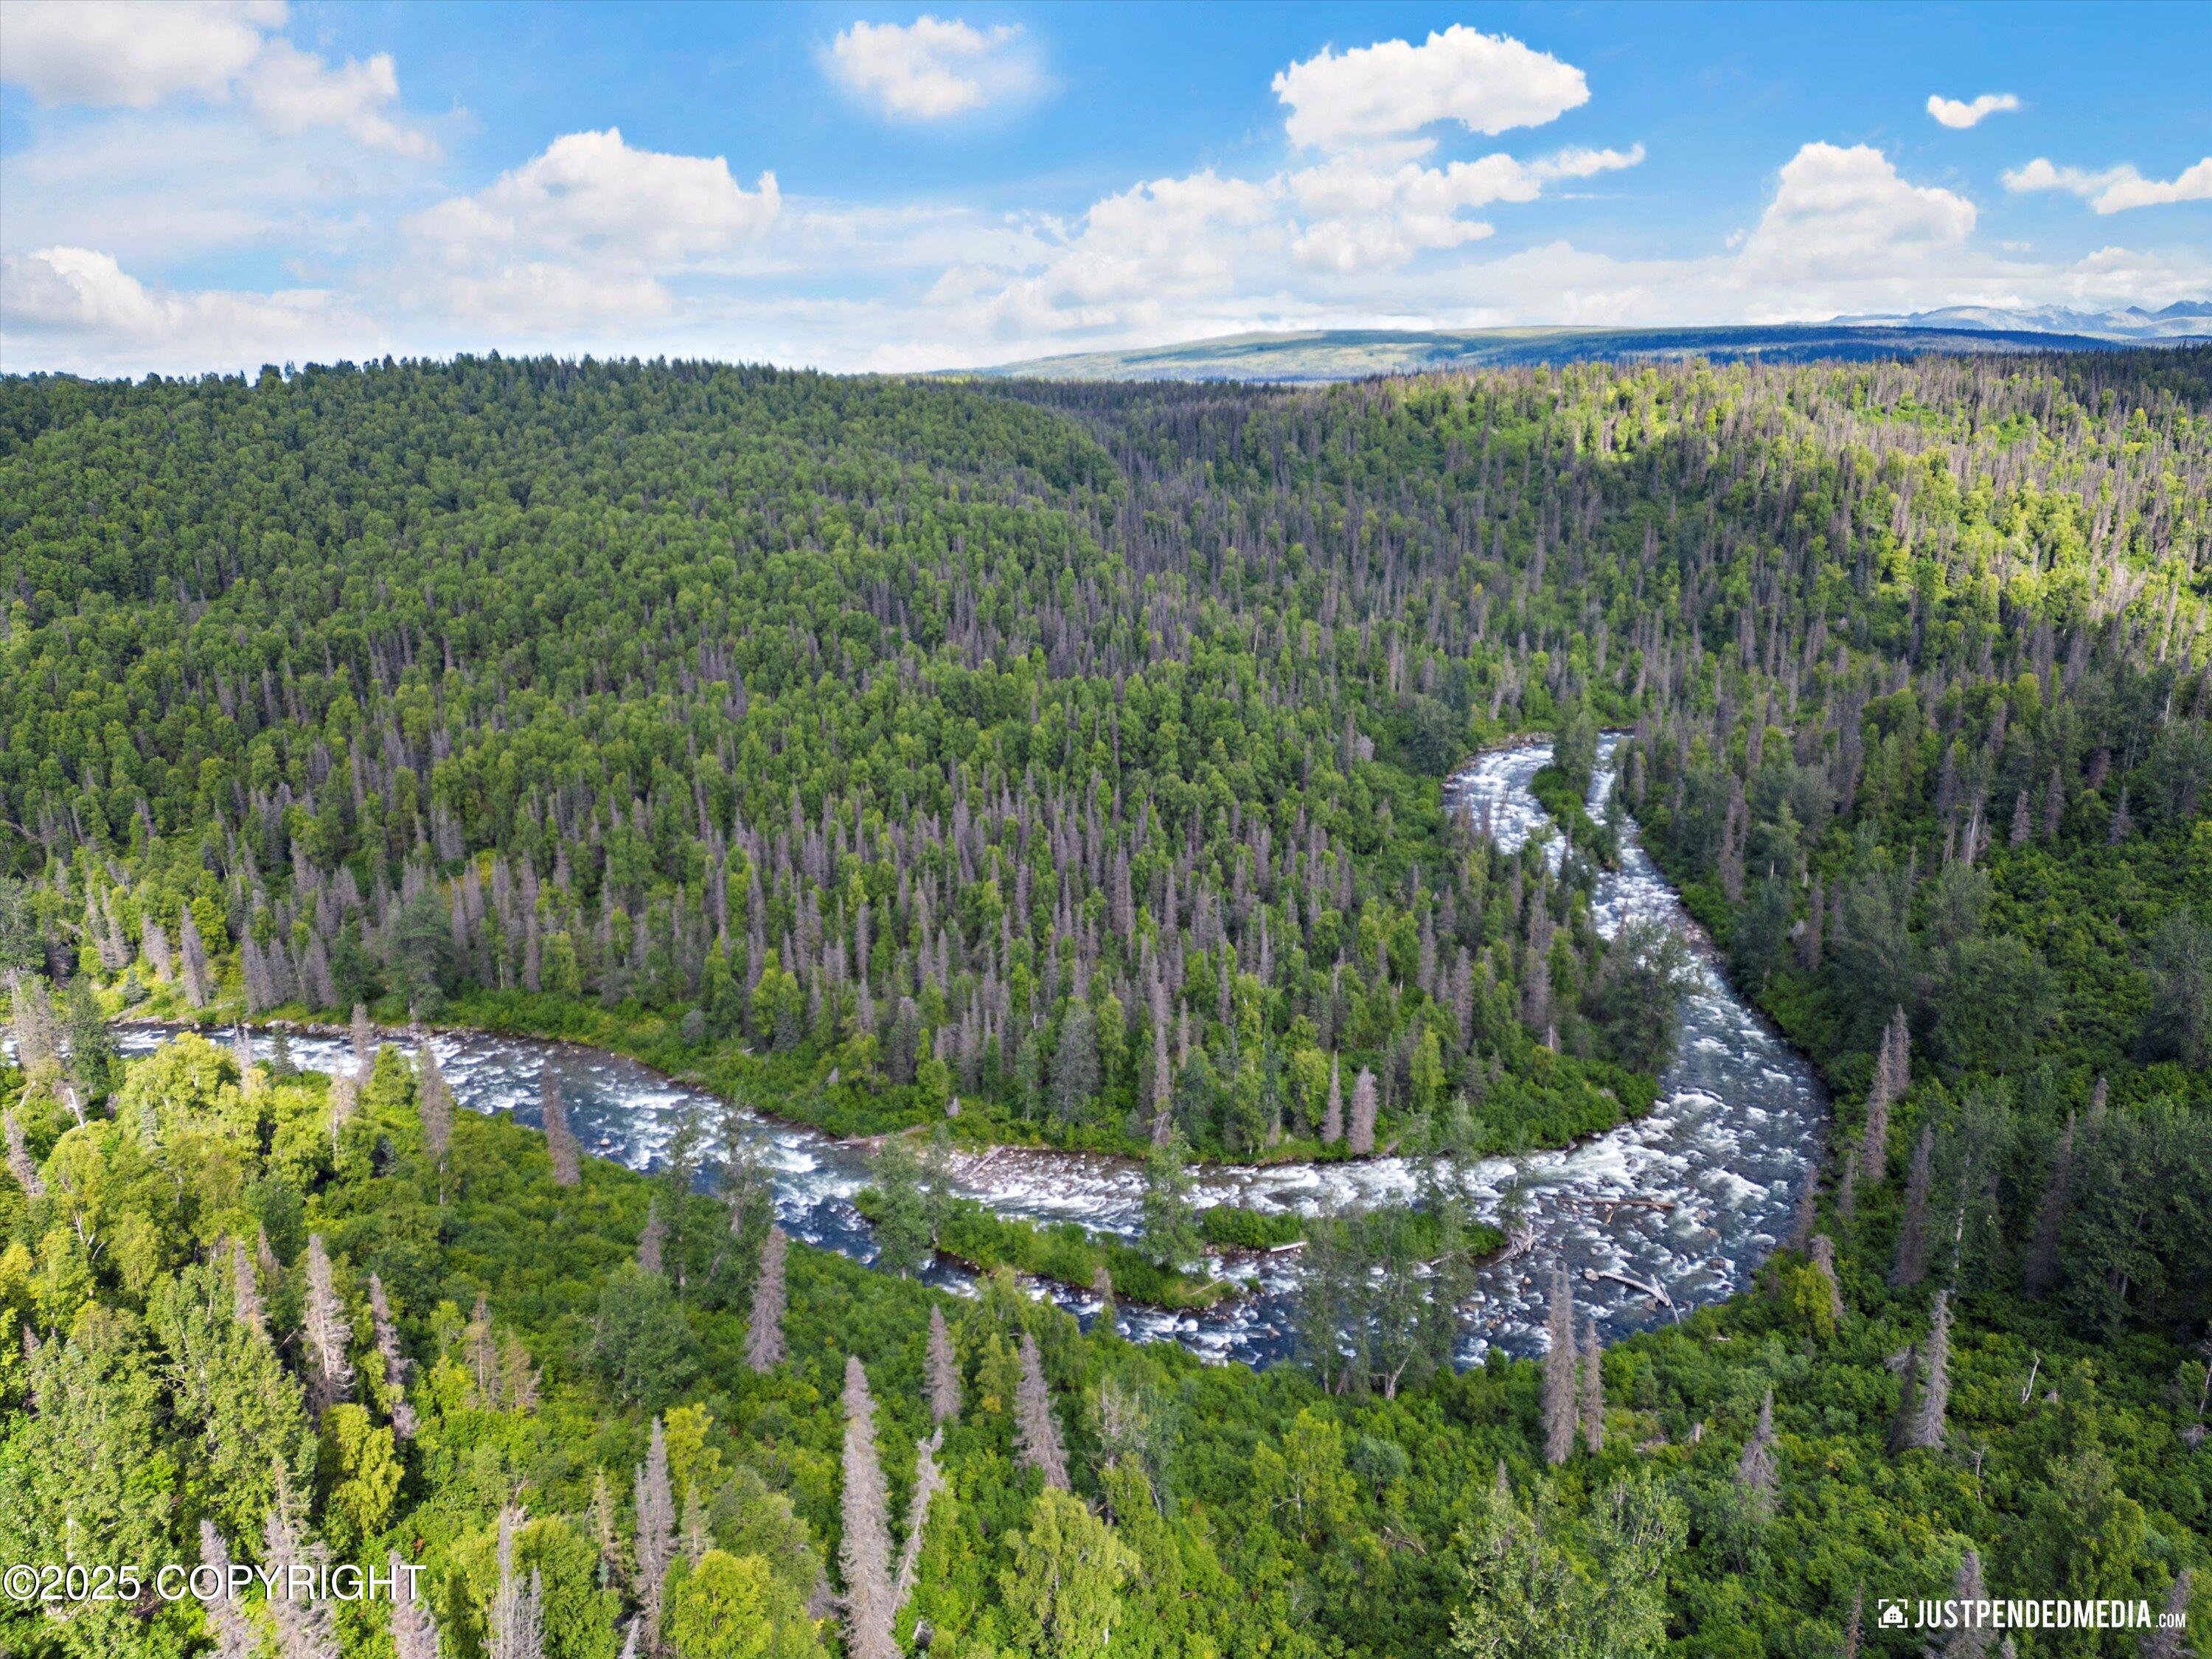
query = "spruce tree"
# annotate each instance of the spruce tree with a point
(1170, 1228)
(926, 1481)
(651, 1237)
(1361, 1140)
(20, 1164)
(395, 1362)
(864, 1551)
(1928, 1426)
(941, 1367)
(692, 1529)
(305, 1625)
(1911, 1265)
(1755, 1469)
(433, 1104)
(1888, 1087)
(1037, 1432)
(413, 1630)
(325, 1334)
(1593, 1387)
(246, 1290)
(764, 1333)
(604, 1533)
(1824, 1261)
(1968, 1641)
(1905, 1424)
(199, 982)
(235, 1637)
(2041, 1273)
(2165, 1641)
(1162, 1085)
(654, 1519)
(903, 1243)
(515, 1626)
(1332, 1123)
(1558, 1387)
(559, 1142)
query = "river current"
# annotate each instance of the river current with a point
(1710, 1176)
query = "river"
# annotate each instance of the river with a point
(1730, 1143)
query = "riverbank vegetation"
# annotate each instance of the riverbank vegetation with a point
(1072, 753)
(1064, 1252)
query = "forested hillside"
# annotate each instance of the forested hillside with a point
(1064, 763)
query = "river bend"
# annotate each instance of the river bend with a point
(1728, 1145)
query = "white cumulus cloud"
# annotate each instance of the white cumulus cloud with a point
(293, 90)
(591, 193)
(1837, 206)
(932, 67)
(2115, 190)
(1580, 163)
(1365, 214)
(132, 53)
(1486, 82)
(84, 311)
(1952, 113)
(138, 53)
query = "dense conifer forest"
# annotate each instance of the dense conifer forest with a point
(1064, 763)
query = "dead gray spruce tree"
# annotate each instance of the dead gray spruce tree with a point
(926, 1480)
(516, 1626)
(1926, 1389)
(325, 1332)
(1755, 1470)
(1558, 1386)
(655, 1519)
(764, 1335)
(2165, 1641)
(199, 983)
(1935, 1377)
(1892, 1071)
(305, 1625)
(1037, 1432)
(1593, 1387)
(559, 1142)
(1968, 1641)
(1911, 1266)
(864, 1554)
(1824, 1261)
(235, 1638)
(245, 1290)
(395, 1362)
(433, 1104)
(20, 1161)
(1361, 1141)
(414, 1631)
(941, 1367)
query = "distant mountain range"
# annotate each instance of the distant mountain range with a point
(2184, 320)
(1354, 354)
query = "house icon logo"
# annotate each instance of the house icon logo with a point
(1893, 1614)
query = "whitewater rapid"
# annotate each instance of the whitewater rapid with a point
(1715, 1166)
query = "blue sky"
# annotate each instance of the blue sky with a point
(185, 187)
